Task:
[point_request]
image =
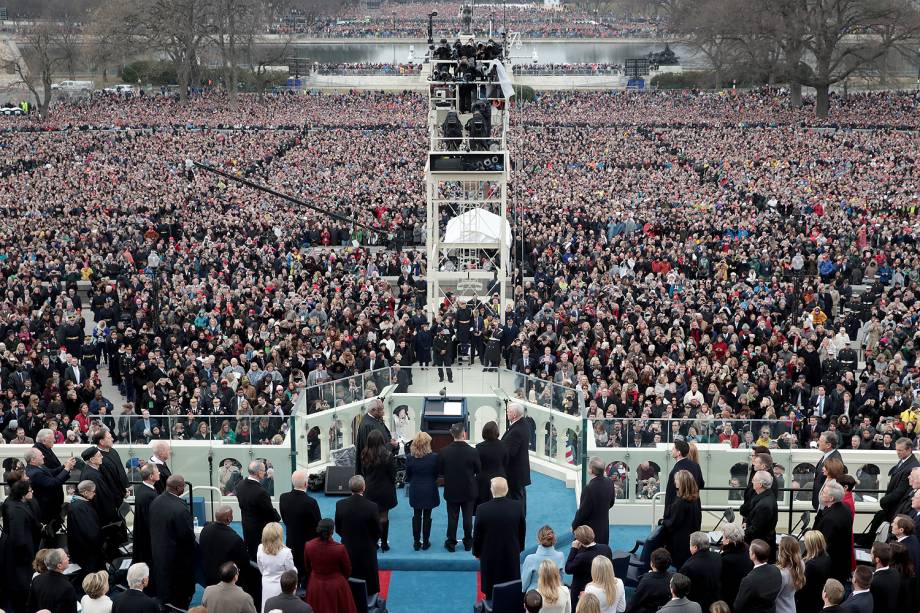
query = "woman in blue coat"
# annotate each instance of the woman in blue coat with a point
(421, 477)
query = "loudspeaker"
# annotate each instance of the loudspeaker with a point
(337, 480)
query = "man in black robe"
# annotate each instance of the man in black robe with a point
(114, 478)
(22, 532)
(498, 537)
(219, 543)
(83, 530)
(373, 420)
(144, 495)
(173, 545)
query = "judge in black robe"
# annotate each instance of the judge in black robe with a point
(21, 536)
(83, 530)
(173, 545)
(111, 490)
(218, 544)
(372, 420)
(498, 537)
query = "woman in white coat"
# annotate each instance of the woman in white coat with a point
(273, 558)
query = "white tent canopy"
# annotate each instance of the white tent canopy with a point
(478, 226)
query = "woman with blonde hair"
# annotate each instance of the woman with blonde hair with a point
(273, 558)
(792, 570)
(588, 604)
(606, 586)
(421, 480)
(683, 517)
(546, 543)
(817, 571)
(555, 594)
(96, 586)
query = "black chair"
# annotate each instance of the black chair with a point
(507, 597)
(363, 602)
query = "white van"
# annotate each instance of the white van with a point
(83, 87)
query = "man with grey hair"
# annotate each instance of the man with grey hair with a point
(47, 484)
(827, 444)
(256, 507)
(161, 452)
(219, 544)
(300, 514)
(517, 442)
(134, 600)
(597, 498)
(52, 590)
(144, 495)
(84, 532)
(372, 420)
(358, 523)
(898, 484)
(762, 513)
(704, 568)
(835, 522)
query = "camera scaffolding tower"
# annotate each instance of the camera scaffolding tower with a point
(467, 176)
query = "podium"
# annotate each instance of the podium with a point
(439, 413)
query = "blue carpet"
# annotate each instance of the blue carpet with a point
(548, 502)
(431, 592)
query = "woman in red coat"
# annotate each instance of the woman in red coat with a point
(849, 484)
(327, 565)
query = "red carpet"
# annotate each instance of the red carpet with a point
(384, 582)
(479, 595)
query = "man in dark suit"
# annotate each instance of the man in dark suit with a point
(898, 484)
(144, 495)
(902, 528)
(679, 453)
(836, 524)
(134, 600)
(827, 444)
(886, 581)
(654, 589)
(53, 498)
(255, 507)
(287, 601)
(373, 420)
(357, 522)
(679, 587)
(300, 514)
(597, 499)
(498, 538)
(832, 595)
(173, 545)
(47, 484)
(860, 601)
(517, 442)
(75, 372)
(759, 589)
(459, 463)
(704, 569)
(161, 452)
(83, 530)
(218, 544)
(762, 513)
(52, 590)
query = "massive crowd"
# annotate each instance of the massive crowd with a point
(410, 20)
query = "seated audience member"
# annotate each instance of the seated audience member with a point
(546, 539)
(704, 570)
(759, 589)
(227, 596)
(831, 596)
(606, 586)
(860, 599)
(654, 589)
(52, 590)
(581, 556)
(96, 588)
(679, 603)
(555, 593)
(135, 600)
(287, 601)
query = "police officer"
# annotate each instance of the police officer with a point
(443, 354)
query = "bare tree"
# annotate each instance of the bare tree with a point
(713, 28)
(45, 41)
(111, 38)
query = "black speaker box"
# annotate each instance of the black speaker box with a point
(337, 480)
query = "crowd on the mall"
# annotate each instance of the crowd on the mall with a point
(410, 20)
(697, 267)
